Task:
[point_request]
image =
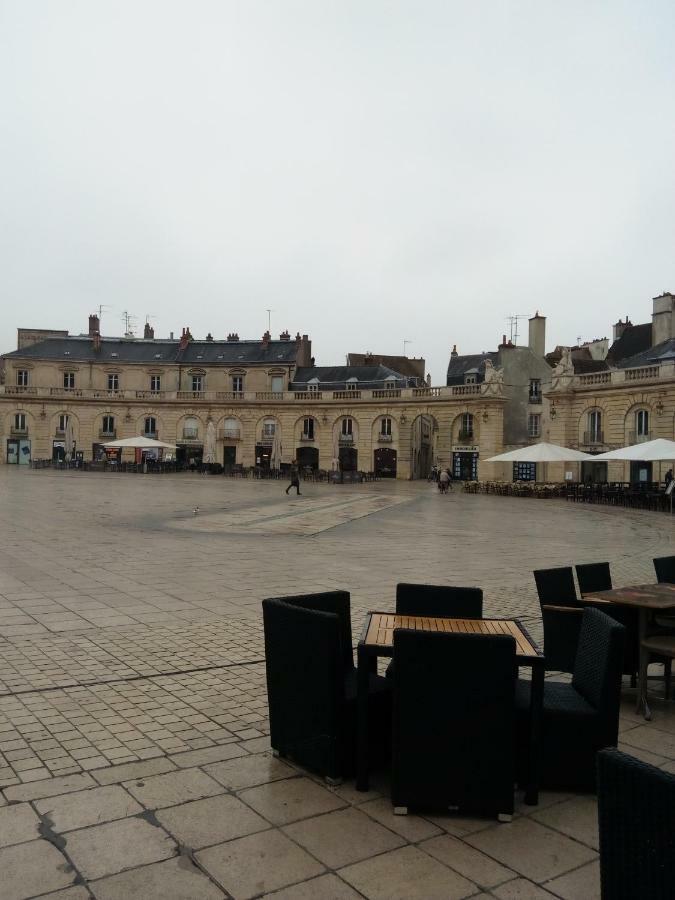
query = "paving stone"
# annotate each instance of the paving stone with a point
(202, 823)
(281, 802)
(583, 882)
(577, 817)
(33, 868)
(78, 892)
(50, 788)
(208, 755)
(342, 837)
(259, 863)
(92, 807)
(118, 774)
(327, 887)
(406, 874)
(471, 863)
(531, 849)
(175, 879)
(18, 823)
(111, 848)
(173, 788)
(247, 771)
(521, 889)
(412, 828)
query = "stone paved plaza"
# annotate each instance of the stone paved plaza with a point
(134, 758)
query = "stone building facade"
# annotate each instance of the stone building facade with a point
(109, 388)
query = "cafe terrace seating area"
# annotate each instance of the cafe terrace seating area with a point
(463, 712)
(649, 495)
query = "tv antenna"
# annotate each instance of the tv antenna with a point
(269, 319)
(513, 326)
(101, 307)
(405, 344)
(128, 320)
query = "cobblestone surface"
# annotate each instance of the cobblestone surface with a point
(132, 686)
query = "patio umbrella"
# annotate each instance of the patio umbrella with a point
(657, 450)
(275, 455)
(69, 439)
(543, 453)
(210, 444)
(139, 442)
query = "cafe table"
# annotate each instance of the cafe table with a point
(647, 599)
(377, 639)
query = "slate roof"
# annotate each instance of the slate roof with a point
(635, 339)
(336, 377)
(413, 368)
(137, 350)
(665, 351)
(459, 366)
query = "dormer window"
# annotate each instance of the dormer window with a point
(114, 355)
(469, 379)
(352, 384)
(313, 384)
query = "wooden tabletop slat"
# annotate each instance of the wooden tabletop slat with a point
(381, 629)
(645, 596)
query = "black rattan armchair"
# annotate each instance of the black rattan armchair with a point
(664, 566)
(594, 577)
(453, 722)
(561, 616)
(636, 817)
(311, 690)
(578, 718)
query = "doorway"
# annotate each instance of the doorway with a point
(384, 461)
(348, 457)
(465, 466)
(18, 451)
(307, 458)
(263, 454)
(229, 457)
(594, 472)
(640, 472)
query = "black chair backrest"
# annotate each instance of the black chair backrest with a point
(439, 600)
(555, 587)
(636, 818)
(336, 602)
(305, 672)
(594, 577)
(599, 665)
(664, 566)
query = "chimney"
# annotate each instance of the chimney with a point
(266, 338)
(662, 318)
(304, 355)
(94, 325)
(209, 336)
(184, 340)
(537, 336)
(96, 340)
(368, 359)
(232, 337)
(454, 353)
(284, 336)
(148, 332)
(171, 335)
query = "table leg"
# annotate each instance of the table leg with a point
(642, 705)
(362, 679)
(536, 712)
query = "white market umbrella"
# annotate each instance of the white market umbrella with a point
(210, 444)
(69, 438)
(275, 455)
(658, 450)
(543, 453)
(139, 442)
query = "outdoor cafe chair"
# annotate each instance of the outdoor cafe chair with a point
(636, 819)
(311, 690)
(664, 566)
(453, 721)
(578, 718)
(561, 616)
(437, 600)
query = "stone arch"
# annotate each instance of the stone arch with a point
(424, 434)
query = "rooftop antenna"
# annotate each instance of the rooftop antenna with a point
(269, 319)
(101, 307)
(404, 345)
(513, 325)
(128, 320)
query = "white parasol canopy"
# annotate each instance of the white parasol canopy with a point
(210, 444)
(142, 443)
(543, 453)
(650, 451)
(69, 437)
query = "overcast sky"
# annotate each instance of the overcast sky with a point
(371, 171)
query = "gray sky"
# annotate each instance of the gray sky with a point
(372, 171)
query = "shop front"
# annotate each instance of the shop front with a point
(307, 457)
(189, 455)
(465, 463)
(384, 462)
(99, 453)
(18, 451)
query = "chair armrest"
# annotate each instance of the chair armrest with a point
(562, 609)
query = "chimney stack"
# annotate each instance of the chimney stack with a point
(148, 332)
(94, 325)
(232, 337)
(537, 335)
(96, 339)
(209, 336)
(284, 336)
(184, 340)
(266, 338)
(454, 353)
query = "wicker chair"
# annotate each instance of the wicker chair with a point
(311, 687)
(636, 817)
(578, 718)
(561, 615)
(453, 722)
(438, 600)
(664, 566)
(593, 577)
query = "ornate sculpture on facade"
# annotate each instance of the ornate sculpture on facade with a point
(494, 378)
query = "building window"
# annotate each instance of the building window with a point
(63, 421)
(231, 429)
(390, 384)
(156, 383)
(352, 384)
(22, 377)
(642, 423)
(108, 425)
(466, 427)
(191, 429)
(150, 425)
(385, 426)
(524, 471)
(113, 382)
(469, 379)
(347, 426)
(269, 428)
(308, 429)
(313, 385)
(594, 435)
(20, 422)
(534, 425)
(197, 383)
(238, 384)
(535, 390)
(69, 380)
(277, 383)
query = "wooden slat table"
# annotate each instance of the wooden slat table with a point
(377, 639)
(647, 599)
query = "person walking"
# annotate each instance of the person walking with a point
(443, 481)
(295, 478)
